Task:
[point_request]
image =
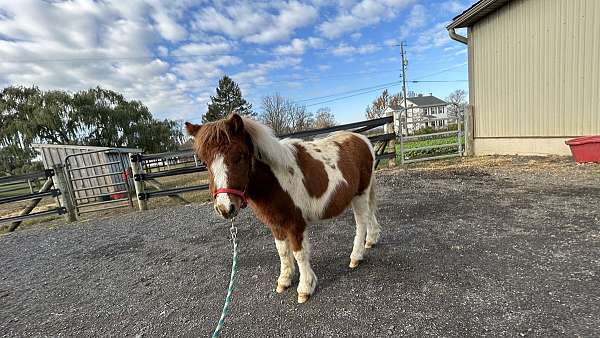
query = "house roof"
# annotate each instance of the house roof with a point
(426, 101)
(478, 11)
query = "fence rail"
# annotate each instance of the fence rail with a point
(34, 198)
(410, 132)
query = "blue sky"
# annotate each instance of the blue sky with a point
(170, 54)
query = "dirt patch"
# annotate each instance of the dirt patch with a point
(496, 246)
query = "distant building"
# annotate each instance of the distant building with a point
(534, 70)
(422, 111)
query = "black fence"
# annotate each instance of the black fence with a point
(11, 191)
(148, 167)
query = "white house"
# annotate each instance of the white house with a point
(422, 111)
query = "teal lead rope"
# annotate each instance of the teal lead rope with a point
(233, 231)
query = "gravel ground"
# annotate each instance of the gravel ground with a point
(489, 246)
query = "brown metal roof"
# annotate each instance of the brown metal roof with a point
(476, 12)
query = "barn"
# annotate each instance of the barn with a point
(534, 73)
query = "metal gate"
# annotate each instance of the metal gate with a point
(98, 180)
(428, 137)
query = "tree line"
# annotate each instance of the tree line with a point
(282, 114)
(94, 117)
(103, 117)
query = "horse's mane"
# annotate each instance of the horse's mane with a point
(268, 147)
(213, 132)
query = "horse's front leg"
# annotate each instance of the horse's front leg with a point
(287, 268)
(308, 279)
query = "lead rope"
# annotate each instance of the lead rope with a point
(233, 231)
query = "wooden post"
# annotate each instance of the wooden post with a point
(389, 128)
(469, 149)
(65, 195)
(31, 205)
(140, 187)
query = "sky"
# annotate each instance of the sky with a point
(170, 54)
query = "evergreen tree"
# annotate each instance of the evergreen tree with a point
(228, 100)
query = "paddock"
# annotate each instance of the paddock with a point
(499, 246)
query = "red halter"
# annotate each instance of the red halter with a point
(238, 193)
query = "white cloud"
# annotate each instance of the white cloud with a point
(417, 18)
(356, 36)
(364, 13)
(196, 48)
(82, 44)
(455, 6)
(257, 73)
(139, 47)
(435, 37)
(299, 46)
(257, 23)
(344, 50)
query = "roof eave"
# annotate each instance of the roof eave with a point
(475, 13)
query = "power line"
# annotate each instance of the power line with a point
(349, 96)
(442, 71)
(436, 81)
(346, 92)
(318, 77)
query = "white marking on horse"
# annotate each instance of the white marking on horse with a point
(219, 172)
(287, 268)
(308, 279)
(312, 208)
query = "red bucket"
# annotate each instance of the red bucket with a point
(585, 149)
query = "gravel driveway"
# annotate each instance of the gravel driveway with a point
(491, 246)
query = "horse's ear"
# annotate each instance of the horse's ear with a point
(235, 123)
(192, 129)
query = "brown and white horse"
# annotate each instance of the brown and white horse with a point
(289, 184)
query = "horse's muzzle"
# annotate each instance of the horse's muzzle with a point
(226, 211)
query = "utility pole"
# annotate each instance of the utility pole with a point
(404, 64)
(403, 122)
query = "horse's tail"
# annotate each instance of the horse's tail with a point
(373, 195)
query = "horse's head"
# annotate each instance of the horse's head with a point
(227, 150)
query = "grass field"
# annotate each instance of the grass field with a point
(416, 154)
(7, 190)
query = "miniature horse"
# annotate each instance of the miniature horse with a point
(289, 184)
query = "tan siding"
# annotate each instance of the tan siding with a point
(535, 69)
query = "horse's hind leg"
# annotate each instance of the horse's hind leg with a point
(362, 215)
(373, 228)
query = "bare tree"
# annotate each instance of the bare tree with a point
(381, 103)
(274, 113)
(324, 119)
(284, 116)
(457, 102)
(300, 118)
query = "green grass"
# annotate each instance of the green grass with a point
(15, 190)
(422, 153)
(416, 154)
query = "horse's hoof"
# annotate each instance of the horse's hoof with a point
(281, 288)
(303, 297)
(369, 245)
(354, 263)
